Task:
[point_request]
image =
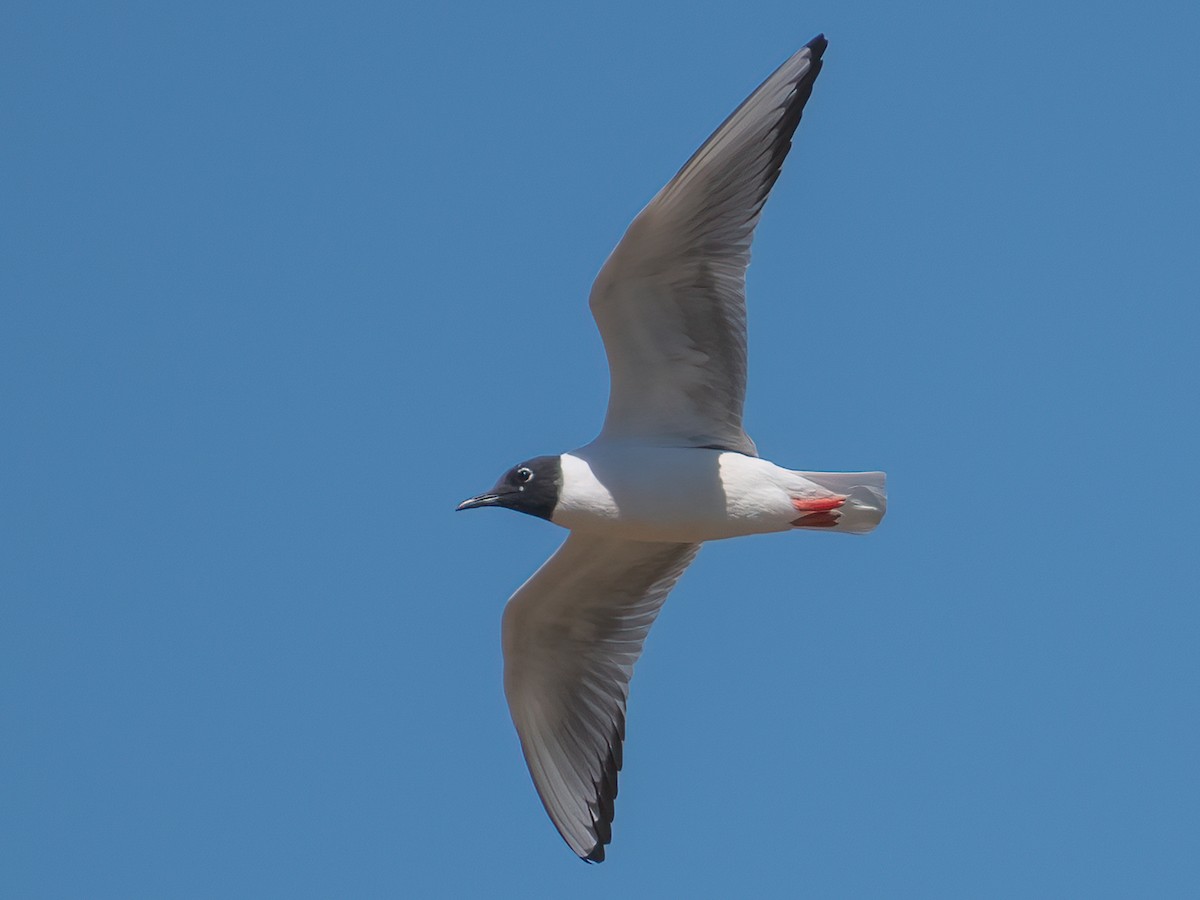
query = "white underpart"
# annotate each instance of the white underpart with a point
(689, 495)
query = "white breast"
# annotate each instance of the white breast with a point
(667, 494)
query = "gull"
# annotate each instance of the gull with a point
(671, 468)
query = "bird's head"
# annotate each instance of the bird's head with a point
(530, 487)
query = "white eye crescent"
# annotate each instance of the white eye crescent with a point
(524, 475)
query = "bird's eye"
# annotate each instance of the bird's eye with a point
(524, 475)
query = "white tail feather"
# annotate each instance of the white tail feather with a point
(866, 498)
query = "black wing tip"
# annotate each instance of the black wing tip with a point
(596, 855)
(793, 111)
(606, 793)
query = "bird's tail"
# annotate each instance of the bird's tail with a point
(863, 506)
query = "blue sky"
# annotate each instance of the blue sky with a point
(284, 283)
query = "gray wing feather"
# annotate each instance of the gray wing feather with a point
(670, 302)
(571, 636)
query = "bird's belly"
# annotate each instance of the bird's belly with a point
(676, 495)
(669, 526)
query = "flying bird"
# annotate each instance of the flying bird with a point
(671, 468)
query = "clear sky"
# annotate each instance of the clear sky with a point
(281, 284)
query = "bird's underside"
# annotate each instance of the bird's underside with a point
(670, 306)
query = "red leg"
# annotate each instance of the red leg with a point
(818, 504)
(825, 519)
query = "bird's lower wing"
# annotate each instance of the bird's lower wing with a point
(571, 635)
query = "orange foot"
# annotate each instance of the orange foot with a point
(817, 520)
(819, 512)
(819, 504)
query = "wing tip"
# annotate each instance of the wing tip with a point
(603, 810)
(606, 794)
(595, 855)
(793, 111)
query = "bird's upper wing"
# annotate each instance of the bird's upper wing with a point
(571, 635)
(670, 301)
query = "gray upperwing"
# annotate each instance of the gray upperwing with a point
(670, 302)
